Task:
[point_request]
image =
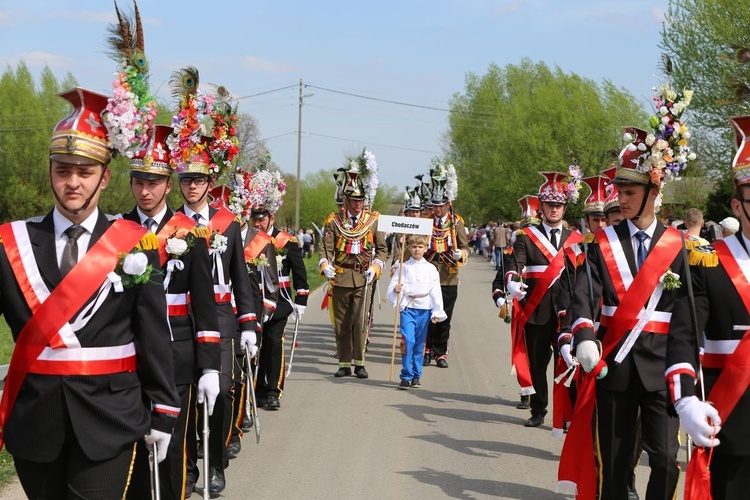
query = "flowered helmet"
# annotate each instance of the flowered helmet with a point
(741, 161)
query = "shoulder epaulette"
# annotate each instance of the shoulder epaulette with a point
(148, 242)
(238, 220)
(589, 238)
(520, 232)
(36, 219)
(458, 217)
(293, 239)
(692, 242)
(375, 214)
(329, 218)
(703, 256)
(200, 232)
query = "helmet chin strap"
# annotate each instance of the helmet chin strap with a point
(205, 192)
(85, 204)
(643, 203)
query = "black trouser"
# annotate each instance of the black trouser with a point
(73, 476)
(539, 342)
(438, 334)
(730, 477)
(238, 406)
(271, 359)
(173, 470)
(616, 416)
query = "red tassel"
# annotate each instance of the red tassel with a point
(698, 476)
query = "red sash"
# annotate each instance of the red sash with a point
(577, 460)
(63, 303)
(521, 316)
(220, 221)
(179, 225)
(258, 243)
(282, 239)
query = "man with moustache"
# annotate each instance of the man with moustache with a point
(196, 349)
(88, 314)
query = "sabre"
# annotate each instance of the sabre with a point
(294, 344)
(251, 406)
(364, 306)
(154, 466)
(204, 443)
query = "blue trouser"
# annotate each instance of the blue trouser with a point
(413, 333)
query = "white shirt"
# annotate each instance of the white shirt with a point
(62, 223)
(548, 230)
(649, 232)
(421, 288)
(157, 218)
(205, 219)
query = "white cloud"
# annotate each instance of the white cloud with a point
(11, 18)
(506, 8)
(39, 60)
(83, 15)
(259, 64)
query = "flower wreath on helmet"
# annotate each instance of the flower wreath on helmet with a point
(185, 142)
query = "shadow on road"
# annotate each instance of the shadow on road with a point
(492, 449)
(420, 413)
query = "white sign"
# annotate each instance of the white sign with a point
(409, 225)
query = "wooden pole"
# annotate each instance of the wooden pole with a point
(398, 307)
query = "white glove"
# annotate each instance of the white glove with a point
(457, 254)
(162, 443)
(566, 356)
(694, 414)
(517, 289)
(370, 274)
(299, 310)
(587, 353)
(500, 302)
(249, 339)
(329, 271)
(208, 388)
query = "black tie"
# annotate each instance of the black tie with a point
(149, 224)
(197, 218)
(70, 252)
(354, 221)
(642, 252)
(553, 237)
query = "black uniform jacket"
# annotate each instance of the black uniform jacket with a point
(192, 348)
(105, 412)
(291, 264)
(267, 296)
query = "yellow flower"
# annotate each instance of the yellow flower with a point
(687, 96)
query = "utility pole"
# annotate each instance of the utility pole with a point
(299, 160)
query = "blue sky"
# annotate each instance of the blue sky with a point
(410, 51)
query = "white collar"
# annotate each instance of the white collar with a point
(203, 212)
(649, 230)
(548, 228)
(157, 218)
(62, 223)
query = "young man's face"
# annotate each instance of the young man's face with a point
(440, 210)
(412, 213)
(354, 206)
(596, 222)
(741, 209)
(614, 218)
(264, 223)
(74, 182)
(631, 196)
(553, 212)
(195, 189)
(150, 194)
(417, 250)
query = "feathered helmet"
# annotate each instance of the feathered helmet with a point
(529, 210)
(82, 133)
(444, 184)
(561, 188)
(151, 161)
(339, 176)
(361, 180)
(225, 144)
(412, 201)
(611, 202)
(187, 143)
(660, 155)
(132, 108)
(741, 161)
(423, 189)
(594, 203)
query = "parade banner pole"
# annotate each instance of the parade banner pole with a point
(398, 307)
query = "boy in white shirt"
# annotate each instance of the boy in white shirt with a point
(418, 283)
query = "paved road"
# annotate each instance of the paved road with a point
(459, 436)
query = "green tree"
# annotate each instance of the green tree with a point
(514, 122)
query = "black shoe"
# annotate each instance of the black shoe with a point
(442, 363)
(360, 372)
(200, 450)
(404, 385)
(260, 401)
(524, 404)
(234, 448)
(272, 402)
(536, 420)
(427, 359)
(343, 372)
(415, 383)
(218, 482)
(247, 423)
(632, 494)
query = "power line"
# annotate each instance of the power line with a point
(372, 144)
(267, 92)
